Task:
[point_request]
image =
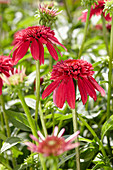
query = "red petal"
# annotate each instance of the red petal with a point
(42, 40)
(55, 40)
(20, 51)
(35, 49)
(70, 93)
(57, 49)
(50, 88)
(82, 90)
(89, 88)
(14, 59)
(17, 45)
(60, 97)
(1, 84)
(52, 51)
(96, 86)
(41, 52)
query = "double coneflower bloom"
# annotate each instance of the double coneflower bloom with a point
(5, 66)
(97, 9)
(65, 75)
(53, 145)
(35, 37)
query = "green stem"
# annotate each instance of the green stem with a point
(67, 11)
(104, 33)
(5, 116)
(110, 79)
(110, 70)
(53, 117)
(50, 63)
(75, 126)
(54, 164)
(28, 114)
(94, 134)
(37, 88)
(42, 162)
(2, 122)
(7, 125)
(85, 32)
(42, 119)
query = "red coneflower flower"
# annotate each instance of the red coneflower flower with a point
(96, 10)
(34, 37)
(63, 75)
(53, 145)
(5, 66)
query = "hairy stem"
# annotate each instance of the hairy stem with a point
(67, 11)
(104, 33)
(75, 127)
(5, 116)
(37, 88)
(110, 70)
(28, 114)
(85, 32)
(42, 119)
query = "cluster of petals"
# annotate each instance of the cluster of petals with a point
(64, 74)
(53, 145)
(35, 37)
(96, 10)
(48, 9)
(15, 77)
(5, 66)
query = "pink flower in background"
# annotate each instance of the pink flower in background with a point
(4, 1)
(64, 74)
(99, 27)
(34, 37)
(15, 77)
(5, 66)
(96, 10)
(48, 9)
(53, 145)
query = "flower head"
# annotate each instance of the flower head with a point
(48, 9)
(5, 66)
(47, 13)
(64, 74)
(34, 37)
(96, 10)
(53, 145)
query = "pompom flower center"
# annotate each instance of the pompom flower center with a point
(34, 32)
(72, 68)
(51, 145)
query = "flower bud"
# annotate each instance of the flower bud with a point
(47, 13)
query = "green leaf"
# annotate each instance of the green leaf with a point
(31, 102)
(19, 120)
(12, 141)
(3, 161)
(16, 152)
(3, 137)
(108, 125)
(59, 116)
